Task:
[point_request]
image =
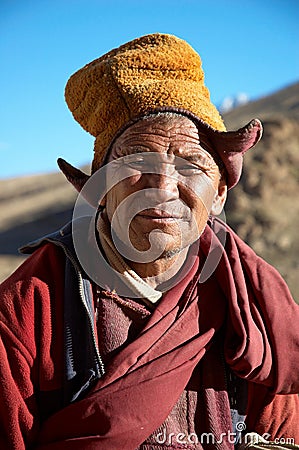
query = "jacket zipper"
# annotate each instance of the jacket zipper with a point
(83, 299)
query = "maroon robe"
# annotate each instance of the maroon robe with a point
(246, 298)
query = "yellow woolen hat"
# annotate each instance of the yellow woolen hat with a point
(153, 71)
(149, 74)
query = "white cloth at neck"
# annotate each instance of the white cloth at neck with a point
(138, 286)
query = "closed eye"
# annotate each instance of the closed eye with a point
(189, 169)
(137, 162)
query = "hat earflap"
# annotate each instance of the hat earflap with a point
(75, 176)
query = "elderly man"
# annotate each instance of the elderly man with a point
(147, 323)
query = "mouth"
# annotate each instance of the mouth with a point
(159, 215)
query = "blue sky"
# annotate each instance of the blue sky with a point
(246, 46)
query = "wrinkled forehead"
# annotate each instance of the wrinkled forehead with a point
(164, 133)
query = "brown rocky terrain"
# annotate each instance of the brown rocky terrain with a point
(263, 208)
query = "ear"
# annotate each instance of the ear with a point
(220, 198)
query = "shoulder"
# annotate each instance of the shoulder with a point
(31, 294)
(43, 266)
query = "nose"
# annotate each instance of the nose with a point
(165, 183)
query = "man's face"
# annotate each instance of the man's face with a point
(170, 185)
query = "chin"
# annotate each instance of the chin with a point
(166, 243)
(174, 248)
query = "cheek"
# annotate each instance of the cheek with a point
(198, 192)
(112, 200)
(201, 215)
(199, 196)
(119, 193)
(199, 211)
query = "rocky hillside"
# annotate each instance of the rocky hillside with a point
(263, 208)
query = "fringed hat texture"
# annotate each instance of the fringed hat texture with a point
(152, 73)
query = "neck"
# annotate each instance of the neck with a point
(156, 272)
(161, 270)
